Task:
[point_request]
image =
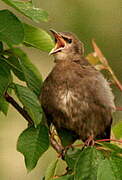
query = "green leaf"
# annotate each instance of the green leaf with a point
(66, 137)
(1, 46)
(92, 58)
(5, 78)
(28, 9)
(71, 157)
(11, 29)
(4, 105)
(117, 130)
(66, 177)
(87, 164)
(31, 74)
(32, 143)
(15, 67)
(116, 165)
(105, 171)
(114, 148)
(50, 172)
(30, 102)
(38, 38)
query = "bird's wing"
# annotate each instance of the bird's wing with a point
(96, 87)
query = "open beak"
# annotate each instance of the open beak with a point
(59, 42)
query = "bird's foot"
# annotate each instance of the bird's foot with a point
(90, 141)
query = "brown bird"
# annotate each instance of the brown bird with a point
(75, 96)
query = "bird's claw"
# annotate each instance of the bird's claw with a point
(90, 141)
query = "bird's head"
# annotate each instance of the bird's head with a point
(67, 46)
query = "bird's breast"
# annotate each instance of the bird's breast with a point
(67, 96)
(66, 100)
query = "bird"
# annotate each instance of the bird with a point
(76, 97)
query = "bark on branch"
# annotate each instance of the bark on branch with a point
(21, 110)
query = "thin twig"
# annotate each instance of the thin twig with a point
(117, 82)
(105, 140)
(100, 140)
(56, 145)
(26, 116)
(104, 62)
(22, 111)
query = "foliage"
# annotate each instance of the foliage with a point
(104, 161)
(27, 8)
(32, 143)
(117, 130)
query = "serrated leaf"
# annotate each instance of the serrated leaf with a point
(38, 38)
(71, 157)
(117, 130)
(11, 29)
(5, 78)
(50, 172)
(32, 143)
(30, 102)
(28, 9)
(16, 67)
(87, 164)
(31, 74)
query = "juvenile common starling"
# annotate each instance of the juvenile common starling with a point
(75, 96)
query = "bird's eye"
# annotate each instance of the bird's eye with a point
(69, 41)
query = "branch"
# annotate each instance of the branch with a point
(26, 116)
(105, 140)
(100, 140)
(55, 144)
(22, 111)
(117, 83)
(59, 149)
(105, 64)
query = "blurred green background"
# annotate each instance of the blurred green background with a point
(101, 20)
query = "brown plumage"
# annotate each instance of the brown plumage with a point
(75, 96)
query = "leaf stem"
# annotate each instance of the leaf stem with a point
(59, 149)
(21, 110)
(117, 82)
(4, 59)
(26, 116)
(104, 140)
(100, 140)
(57, 146)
